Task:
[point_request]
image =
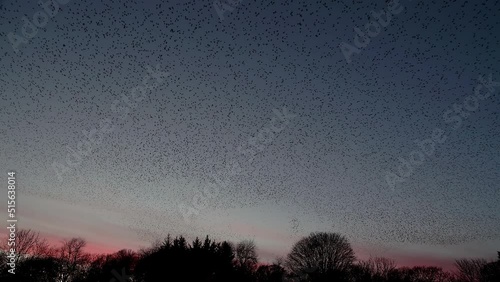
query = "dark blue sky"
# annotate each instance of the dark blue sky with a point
(322, 168)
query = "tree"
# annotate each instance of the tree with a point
(175, 260)
(108, 267)
(374, 269)
(33, 258)
(323, 255)
(29, 243)
(420, 274)
(38, 269)
(491, 271)
(3, 259)
(430, 274)
(246, 254)
(270, 273)
(224, 262)
(469, 270)
(245, 260)
(73, 258)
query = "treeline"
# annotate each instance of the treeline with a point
(318, 257)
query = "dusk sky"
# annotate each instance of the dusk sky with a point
(268, 121)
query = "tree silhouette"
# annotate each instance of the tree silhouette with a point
(270, 273)
(420, 274)
(73, 259)
(491, 271)
(469, 270)
(374, 269)
(28, 243)
(109, 267)
(38, 269)
(175, 260)
(316, 258)
(325, 256)
(245, 261)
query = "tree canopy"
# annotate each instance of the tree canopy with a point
(316, 258)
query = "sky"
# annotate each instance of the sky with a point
(267, 120)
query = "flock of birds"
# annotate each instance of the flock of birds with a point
(225, 78)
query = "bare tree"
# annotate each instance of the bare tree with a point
(73, 258)
(379, 267)
(246, 254)
(421, 273)
(469, 270)
(269, 273)
(491, 271)
(279, 261)
(28, 243)
(321, 254)
(431, 274)
(3, 259)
